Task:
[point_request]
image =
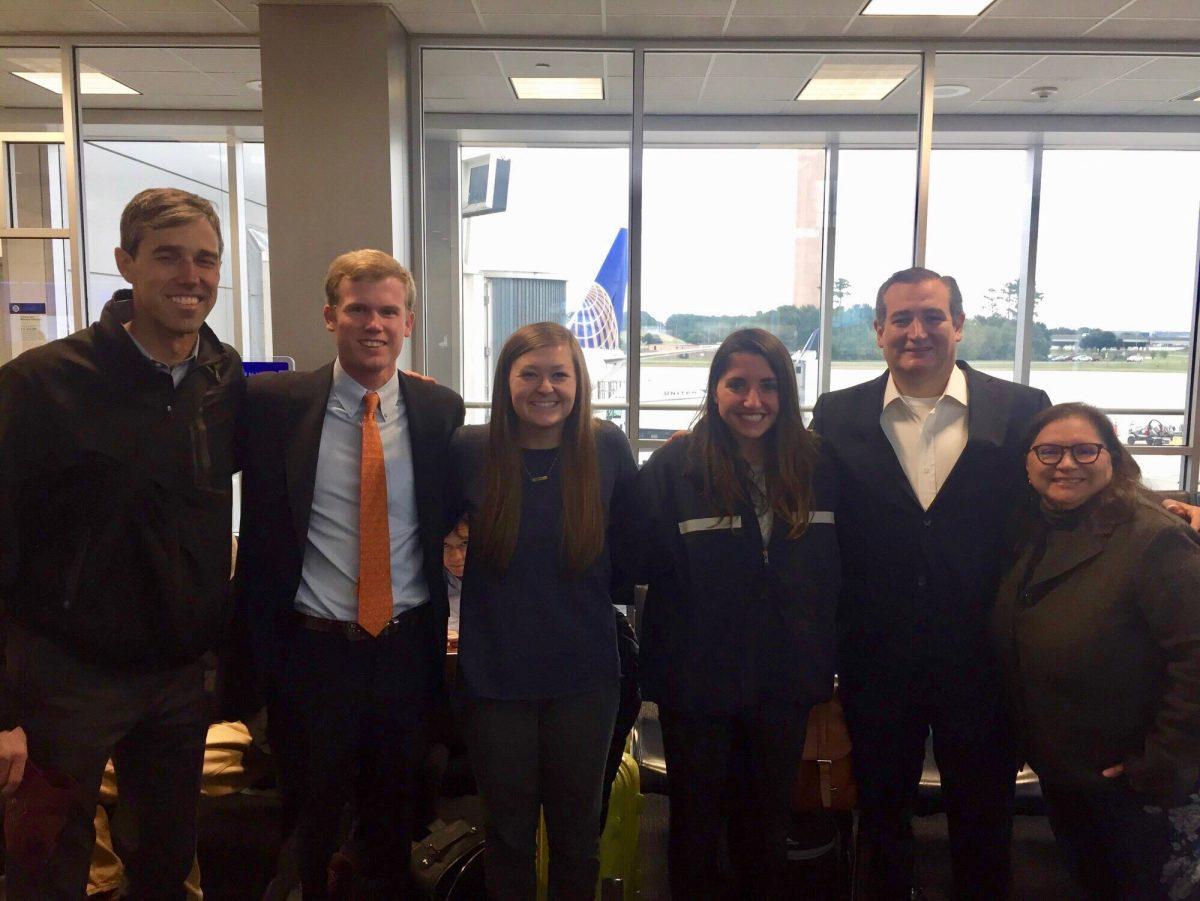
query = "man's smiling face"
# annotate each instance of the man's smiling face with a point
(369, 324)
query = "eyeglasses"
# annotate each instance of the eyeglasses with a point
(1085, 453)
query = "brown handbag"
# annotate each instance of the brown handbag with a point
(826, 779)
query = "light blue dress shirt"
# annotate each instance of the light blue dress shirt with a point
(329, 577)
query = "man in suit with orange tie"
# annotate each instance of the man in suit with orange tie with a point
(340, 573)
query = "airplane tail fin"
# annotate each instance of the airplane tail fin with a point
(597, 322)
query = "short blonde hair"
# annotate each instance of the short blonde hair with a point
(368, 266)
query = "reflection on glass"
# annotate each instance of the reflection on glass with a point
(978, 203)
(1120, 330)
(24, 105)
(35, 292)
(37, 187)
(876, 191)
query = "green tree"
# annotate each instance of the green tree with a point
(651, 338)
(1003, 301)
(1100, 340)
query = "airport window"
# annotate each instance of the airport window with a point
(171, 117)
(765, 202)
(526, 222)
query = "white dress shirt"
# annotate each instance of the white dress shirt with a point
(928, 434)
(329, 577)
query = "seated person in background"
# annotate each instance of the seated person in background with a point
(1097, 624)
(454, 560)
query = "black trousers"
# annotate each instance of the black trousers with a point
(972, 745)
(1120, 846)
(76, 715)
(730, 779)
(546, 754)
(351, 723)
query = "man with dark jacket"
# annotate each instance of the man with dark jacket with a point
(116, 452)
(339, 574)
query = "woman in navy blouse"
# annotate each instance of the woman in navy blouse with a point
(548, 493)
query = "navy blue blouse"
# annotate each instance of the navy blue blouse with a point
(533, 633)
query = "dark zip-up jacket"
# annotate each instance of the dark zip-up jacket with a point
(115, 501)
(729, 627)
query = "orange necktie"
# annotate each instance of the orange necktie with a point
(374, 542)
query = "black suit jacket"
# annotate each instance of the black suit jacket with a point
(280, 440)
(918, 585)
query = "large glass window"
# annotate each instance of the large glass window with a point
(172, 117)
(527, 215)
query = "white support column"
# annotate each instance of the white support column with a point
(1028, 283)
(829, 252)
(633, 377)
(235, 172)
(73, 159)
(924, 157)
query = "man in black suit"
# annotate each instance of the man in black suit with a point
(930, 463)
(340, 573)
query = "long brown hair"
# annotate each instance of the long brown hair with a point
(579, 471)
(790, 450)
(1116, 501)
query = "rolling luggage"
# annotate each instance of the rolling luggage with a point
(620, 872)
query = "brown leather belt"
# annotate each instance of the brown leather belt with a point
(348, 629)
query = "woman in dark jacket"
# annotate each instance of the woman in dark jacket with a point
(548, 492)
(740, 555)
(1097, 623)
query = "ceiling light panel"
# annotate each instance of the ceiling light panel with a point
(926, 7)
(558, 88)
(89, 82)
(840, 81)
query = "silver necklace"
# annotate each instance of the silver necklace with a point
(541, 478)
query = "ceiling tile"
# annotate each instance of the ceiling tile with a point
(985, 65)
(249, 18)
(573, 26)
(673, 88)
(672, 64)
(844, 8)
(1169, 67)
(980, 88)
(1054, 9)
(563, 63)
(787, 26)
(67, 21)
(123, 8)
(993, 27)
(540, 7)
(1076, 66)
(1161, 9)
(433, 7)
(459, 62)
(665, 26)
(1145, 90)
(222, 22)
(778, 89)
(416, 22)
(210, 59)
(1101, 107)
(1021, 89)
(466, 87)
(668, 7)
(1148, 29)
(909, 26)
(765, 64)
(134, 59)
(194, 83)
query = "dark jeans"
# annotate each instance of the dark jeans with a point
(76, 715)
(351, 723)
(1120, 846)
(731, 778)
(973, 750)
(550, 754)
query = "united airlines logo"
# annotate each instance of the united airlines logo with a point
(597, 322)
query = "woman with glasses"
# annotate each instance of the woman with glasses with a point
(1097, 624)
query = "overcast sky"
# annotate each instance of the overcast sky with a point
(1117, 248)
